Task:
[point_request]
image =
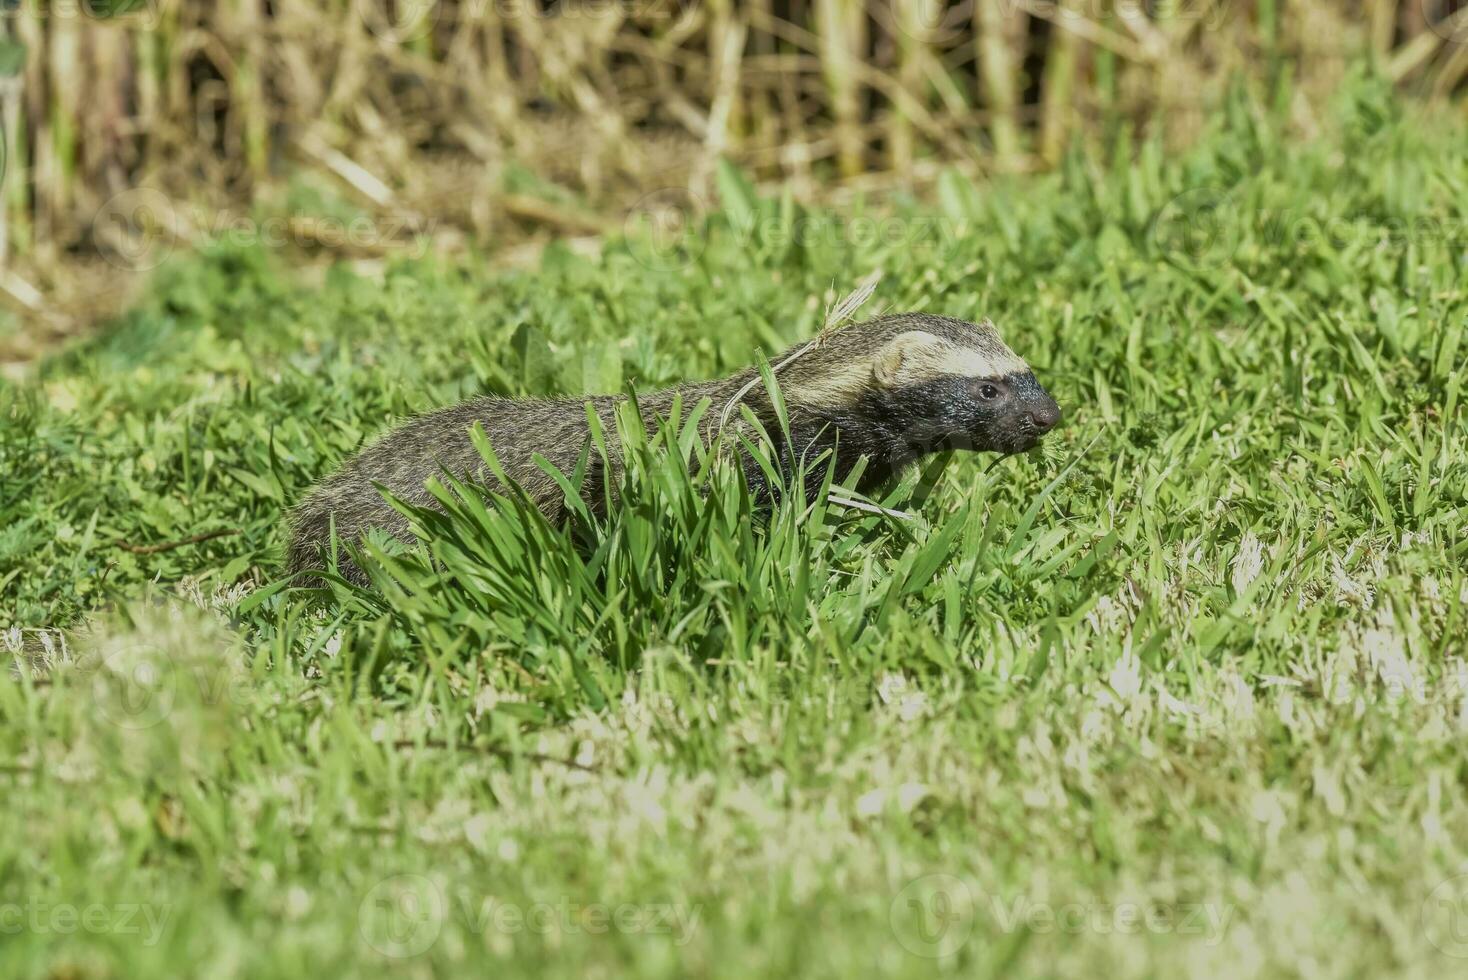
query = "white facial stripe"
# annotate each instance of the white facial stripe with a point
(966, 362)
(923, 357)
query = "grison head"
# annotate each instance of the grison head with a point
(939, 383)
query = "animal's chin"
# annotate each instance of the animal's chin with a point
(1005, 444)
(1021, 444)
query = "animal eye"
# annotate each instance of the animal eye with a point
(988, 391)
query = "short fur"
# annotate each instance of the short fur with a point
(892, 390)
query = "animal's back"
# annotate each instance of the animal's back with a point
(427, 445)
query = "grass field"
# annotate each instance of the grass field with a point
(1182, 692)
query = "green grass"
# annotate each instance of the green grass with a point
(1184, 691)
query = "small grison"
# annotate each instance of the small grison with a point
(892, 390)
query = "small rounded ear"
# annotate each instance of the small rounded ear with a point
(899, 351)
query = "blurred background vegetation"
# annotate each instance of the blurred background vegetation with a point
(370, 127)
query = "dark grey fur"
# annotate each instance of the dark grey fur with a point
(891, 426)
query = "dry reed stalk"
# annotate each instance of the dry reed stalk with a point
(914, 20)
(762, 103)
(1058, 89)
(841, 28)
(14, 208)
(726, 51)
(247, 93)
(994, 24)
(1382, 19)
(62, 63)
(948, 139)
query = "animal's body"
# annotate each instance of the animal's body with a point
(892, 390)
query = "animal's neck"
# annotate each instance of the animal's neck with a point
(850, 431)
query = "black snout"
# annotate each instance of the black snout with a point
(1044, 416)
